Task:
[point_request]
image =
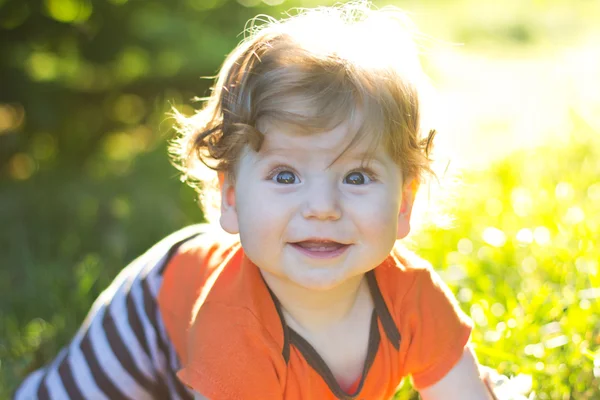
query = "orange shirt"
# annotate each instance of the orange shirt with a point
(233, 343)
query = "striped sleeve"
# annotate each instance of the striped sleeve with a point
(121, 350)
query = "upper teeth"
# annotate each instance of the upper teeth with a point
(319, 245)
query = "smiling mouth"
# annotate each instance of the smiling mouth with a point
(320, 248)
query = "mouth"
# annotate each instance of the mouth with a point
(320, 248)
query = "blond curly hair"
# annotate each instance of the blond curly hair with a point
(310, 71)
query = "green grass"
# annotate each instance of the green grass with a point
(522, 257)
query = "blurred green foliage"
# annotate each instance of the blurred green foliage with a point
(523, 260)
(86, 186)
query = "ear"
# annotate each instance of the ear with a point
(228, 219)
(409, 190)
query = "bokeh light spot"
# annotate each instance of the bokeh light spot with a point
(586, 265)
(129, 109)
(574, 215)
(501, 326)
(492, 336)
(36, 331)
(132, 63)
(42, 66)
(593, 192)
(478, 315)
(552, 328)
(564, 191)
(465, 295)
(589, 294)
(121, 208)
(11, 117)
(249, 3)
(21, 166)
(69, 10)
(536, 350)
(524, 236)
(521, 201)
(498, 310)
(119, 146)
(540, 366)
(541, 235)
(494, 236)
(43, 146)
(465, 246)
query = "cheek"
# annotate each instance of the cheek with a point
(377, 214)
(263, 225)
(259, 213)
(381, 222)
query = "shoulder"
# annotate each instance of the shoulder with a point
(412, 286)
(199, 238)
(230, 354)
(404, 274)
(207, 243)
(191, 263)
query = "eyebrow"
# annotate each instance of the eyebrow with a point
(365, 157)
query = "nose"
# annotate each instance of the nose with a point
(322, 202)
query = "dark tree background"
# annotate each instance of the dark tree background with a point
(85, 181)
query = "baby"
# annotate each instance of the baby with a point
(313, 129)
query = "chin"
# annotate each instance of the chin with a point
(319, 280)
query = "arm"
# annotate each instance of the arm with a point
(463, 382)
(117, 350)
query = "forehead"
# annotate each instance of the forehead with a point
(344, 141)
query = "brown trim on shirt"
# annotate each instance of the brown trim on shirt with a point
(316, 361)
(313, 358)
(285, 352)
(389, 326)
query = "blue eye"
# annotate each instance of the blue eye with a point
(356, 178)
(286, 177)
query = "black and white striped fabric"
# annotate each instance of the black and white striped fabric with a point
(122, 350)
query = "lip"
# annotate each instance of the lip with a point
(321, 254)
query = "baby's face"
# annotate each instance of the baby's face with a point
(311, 223)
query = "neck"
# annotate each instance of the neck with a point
(304, 309)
